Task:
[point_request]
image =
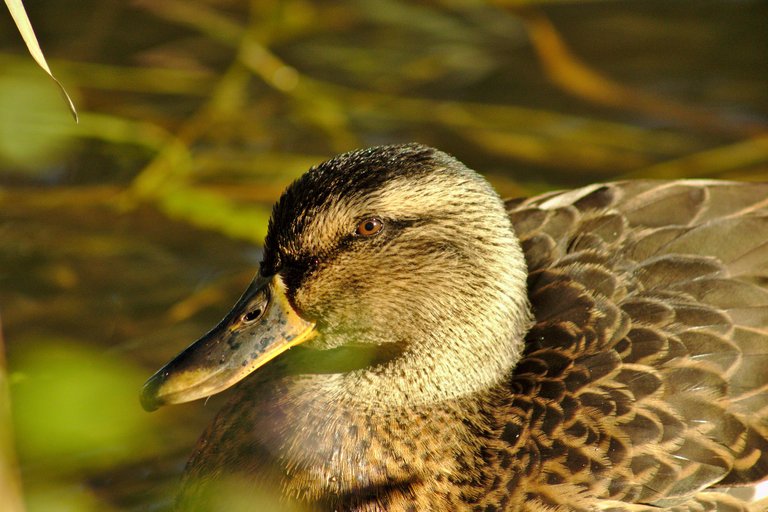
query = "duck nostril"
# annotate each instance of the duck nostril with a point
(252, 315)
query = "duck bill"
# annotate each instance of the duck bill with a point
(261, 326)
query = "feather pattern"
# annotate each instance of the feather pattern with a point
(643, 377)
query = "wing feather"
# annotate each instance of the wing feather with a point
(651, 302)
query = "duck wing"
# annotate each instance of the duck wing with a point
(645, 378)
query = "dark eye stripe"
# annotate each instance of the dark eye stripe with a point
(296, 269)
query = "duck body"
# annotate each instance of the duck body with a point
(606, 349)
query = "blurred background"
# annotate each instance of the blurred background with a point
(126, 236)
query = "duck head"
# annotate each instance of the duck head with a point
(397, 247)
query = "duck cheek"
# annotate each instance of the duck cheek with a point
(312, 300)
(318, 293)
(300, 302)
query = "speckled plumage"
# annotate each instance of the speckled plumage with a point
(641, 384)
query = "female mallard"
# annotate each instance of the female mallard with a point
(598, 349)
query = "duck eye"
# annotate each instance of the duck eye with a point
(370, 227)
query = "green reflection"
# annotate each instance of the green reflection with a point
(236, 494)
(63, 498)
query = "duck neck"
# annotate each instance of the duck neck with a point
(472, 345)
(408, 415)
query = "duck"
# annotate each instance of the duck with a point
(412, 342)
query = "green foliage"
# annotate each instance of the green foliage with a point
(76, 405)
(208, 210)
(34, 132)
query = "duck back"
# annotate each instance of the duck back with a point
(644, 384)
